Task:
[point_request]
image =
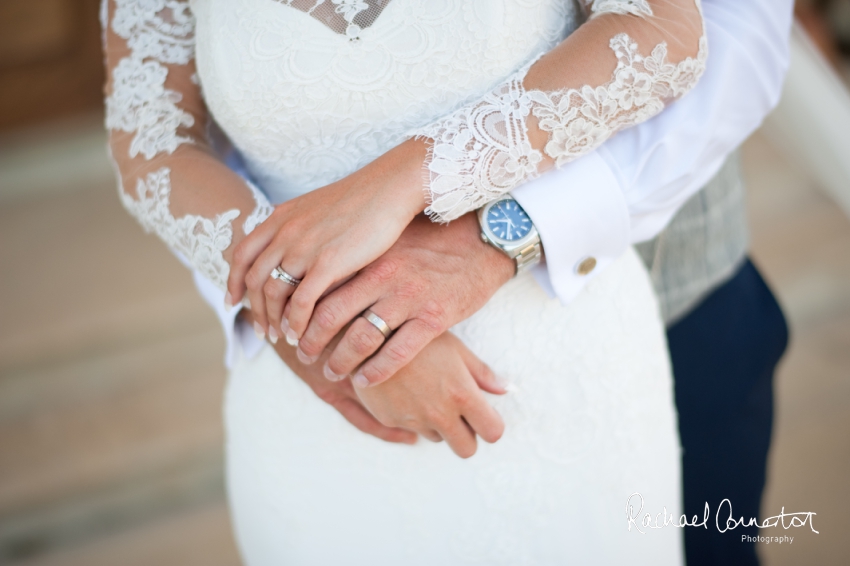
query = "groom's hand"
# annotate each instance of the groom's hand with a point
(433, 277)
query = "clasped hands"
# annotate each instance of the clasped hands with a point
(361, 243)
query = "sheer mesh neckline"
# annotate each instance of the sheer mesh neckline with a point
(345, 17)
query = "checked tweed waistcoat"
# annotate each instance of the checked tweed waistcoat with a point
(703, 246)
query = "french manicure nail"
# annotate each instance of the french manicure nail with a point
(272, 335)
(228, 301)
(304, 358)
(258, 330)
(291, 336)
(330, 375)
(360, 380)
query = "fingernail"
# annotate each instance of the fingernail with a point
(330, 375)
(304, 358)
(272, 335)
(360, 380)
(291, 336)
(258, 330)
(228, 301)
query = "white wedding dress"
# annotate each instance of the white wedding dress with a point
(590, 419)
(590, 414)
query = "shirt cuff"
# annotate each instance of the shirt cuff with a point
(583, 220)
(241, 341)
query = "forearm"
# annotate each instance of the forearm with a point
(194, 204)
(171, 181)
(681, 150)
(614, 72)
(629, 189)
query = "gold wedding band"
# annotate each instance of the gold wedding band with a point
(378, 323)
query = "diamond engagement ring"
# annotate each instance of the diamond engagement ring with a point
(279, 273)
(378, 323)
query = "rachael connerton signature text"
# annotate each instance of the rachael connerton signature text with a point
(724, 519)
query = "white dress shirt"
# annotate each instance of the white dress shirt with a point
(629, 189)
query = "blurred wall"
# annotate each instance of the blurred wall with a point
(50, 60)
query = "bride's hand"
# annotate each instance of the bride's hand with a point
(439, 395)
(327, 235)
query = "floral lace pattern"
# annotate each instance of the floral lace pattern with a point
(199, 240)
(633, 7)
(260, 213)
(156, 29)
(580, 120)
(482, 151)
(347, 17)
(306, 108)
(141, 104)
(159, 33)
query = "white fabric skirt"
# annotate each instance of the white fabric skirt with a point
(590, 421)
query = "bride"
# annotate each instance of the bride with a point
(338, 107)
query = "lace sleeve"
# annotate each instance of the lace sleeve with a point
(567, 102)
(170, 179)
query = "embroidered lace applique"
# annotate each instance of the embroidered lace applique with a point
(634, 7)
(160, 33)
(580, 120)
(157, 32)
(346, 17)
(332, 115)
(199, 240)
(141, 104)
(262, 211)
(482, 151)
(156, 29)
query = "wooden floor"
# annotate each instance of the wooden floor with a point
(111, 372)
(111, 378)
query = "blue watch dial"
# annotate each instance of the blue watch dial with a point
(508, 221)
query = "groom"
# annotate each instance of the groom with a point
(725, 330)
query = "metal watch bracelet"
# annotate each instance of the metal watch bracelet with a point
(528, 257)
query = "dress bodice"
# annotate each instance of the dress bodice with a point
(306, 105)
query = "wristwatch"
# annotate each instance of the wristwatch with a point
(507, 227)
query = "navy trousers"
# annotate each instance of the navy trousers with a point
(724, 354)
